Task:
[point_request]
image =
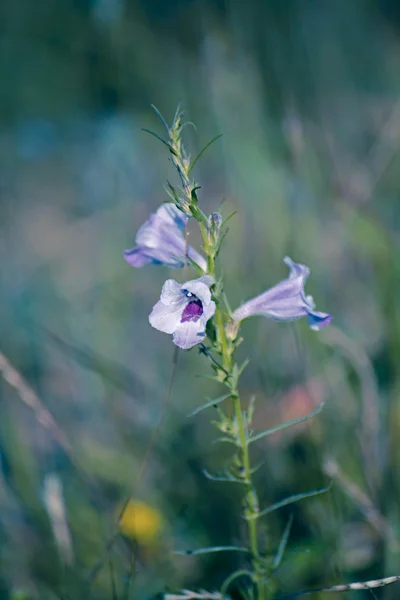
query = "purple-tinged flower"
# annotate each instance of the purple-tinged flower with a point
(286, 301)
(183, 310)
(160, 240)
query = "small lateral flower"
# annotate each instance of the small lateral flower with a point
(286, 301)
(160, 240)
(183, 310)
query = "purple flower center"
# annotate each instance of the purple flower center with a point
(192, 311)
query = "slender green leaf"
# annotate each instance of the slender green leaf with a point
(221, 241)
(262, 434)
(229, 580)
(227, 305)
(228, 218)
(160, 139)
(209, 404)
(212, 549)
(202, 151)
(193, 264)
(225, 439)
(243, 366)
(283, 543)
(186, 123)
(228, 478)
(290, 500)
(178, 114)
(160, 116)
(257, 467)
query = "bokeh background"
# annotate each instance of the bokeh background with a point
(306, 95)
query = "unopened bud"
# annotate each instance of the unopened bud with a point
(231, 330)
(214, 227)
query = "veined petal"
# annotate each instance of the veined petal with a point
(171, 294)
(200, 287)
(189, 333)
(296, 270)
(136, 257)
(285, 301)
(165, 318)
(169, 213)
(208, 310)
(184, 310)
(160, 240)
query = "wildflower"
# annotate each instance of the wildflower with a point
(183, 310)
(140, 521)
(286, 301)
(160, 240)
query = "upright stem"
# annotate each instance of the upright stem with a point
(250, 499)
(227, 351)
(251, 496)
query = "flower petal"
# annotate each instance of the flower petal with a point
(165, 318)
(200, 287)
(171, 215)
(317, 320)
(286, 301)
(296, 270)
(160, 240)
(171, 294)
(208, 310)
(136, 257)
(189, 334)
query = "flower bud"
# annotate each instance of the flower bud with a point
(214, 228)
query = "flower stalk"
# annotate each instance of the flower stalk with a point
(238, 425)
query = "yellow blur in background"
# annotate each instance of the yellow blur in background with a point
(141, 522)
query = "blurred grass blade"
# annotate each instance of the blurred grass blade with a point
(208, 404)
(212, 549)
(262, 434)
(291, 500)
(109, 370)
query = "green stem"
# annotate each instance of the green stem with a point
(251, 496)
(227, 350)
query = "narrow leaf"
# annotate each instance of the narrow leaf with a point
(202, 151)
(229, 580)
(160, 116)
(178, 114)
(228, 478)
(193, 264)
(262, 434)
(209, 404)
(159, 138)
(212, 549)
(283, 543)
(243, 366)
(228, 218)
(225, 439)
(290, 500)
(186, 123)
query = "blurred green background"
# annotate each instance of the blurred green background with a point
(306, 95)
